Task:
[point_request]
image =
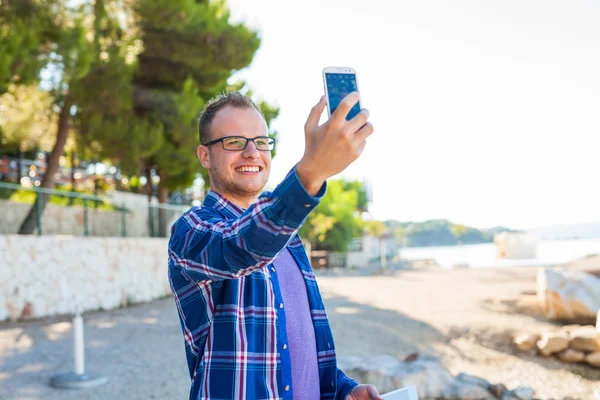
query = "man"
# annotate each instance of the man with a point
(251, 313)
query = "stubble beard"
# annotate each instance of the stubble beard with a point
(228, 187)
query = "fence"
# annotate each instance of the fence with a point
(72, 213)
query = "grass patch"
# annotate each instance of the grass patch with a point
(28, 197)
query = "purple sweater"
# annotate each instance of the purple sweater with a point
(299, 327)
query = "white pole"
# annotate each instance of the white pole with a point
(78, 343)
(79, 378)
(382, 252)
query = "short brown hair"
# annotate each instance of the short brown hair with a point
(233, 99)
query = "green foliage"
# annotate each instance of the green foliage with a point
(26, 118)
(189, 38)
(28, 197)
(375, 228)
(439, 233)
(137, 74)
(25, 30)
(335, 221)
(191, 50)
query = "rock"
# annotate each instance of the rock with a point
(553, 342)
(571, 356)
(472, 380)
(470, 392)
(593, 359)
(411, 357)
(526, 341)
(497, 390)
(568, 295)
(585, 339)
(523, 393)
(388, 373)
(569, 328)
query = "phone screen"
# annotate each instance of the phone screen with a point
(338, 87)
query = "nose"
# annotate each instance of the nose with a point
(251, 151)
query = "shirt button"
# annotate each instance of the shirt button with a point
(332, 384)
(284, 346)
(329, 345)
(280, 305)
(307, 205)
(287, 388)
(284, 232)
(273, 269)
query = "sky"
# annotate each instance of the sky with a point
(486, 113)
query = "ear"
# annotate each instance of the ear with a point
(203, 156)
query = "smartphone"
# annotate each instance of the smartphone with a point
(339, 82)
(406, 393)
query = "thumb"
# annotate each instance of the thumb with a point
(315, 115)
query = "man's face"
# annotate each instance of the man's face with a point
(230, 172)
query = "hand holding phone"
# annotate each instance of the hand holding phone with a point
(339, 82)
(337, 143)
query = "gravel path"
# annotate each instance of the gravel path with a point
(465, 316)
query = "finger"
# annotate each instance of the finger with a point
(315, 115)
(364, 132)
(345, 106)
(358, 121)
(373, 393)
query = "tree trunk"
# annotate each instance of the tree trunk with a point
(19, 165)
(148, 188)
(163, 197)
(73, 181)
(30, 223)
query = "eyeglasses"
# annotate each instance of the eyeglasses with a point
(237, 143)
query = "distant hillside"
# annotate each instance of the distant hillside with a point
(440, 232)
(572, 231)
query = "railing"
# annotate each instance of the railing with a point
(98, 216)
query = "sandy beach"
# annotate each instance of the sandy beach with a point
(464, 316)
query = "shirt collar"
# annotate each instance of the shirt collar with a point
(220, 203)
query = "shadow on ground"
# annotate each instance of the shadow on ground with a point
(140, 349)
(381, 331)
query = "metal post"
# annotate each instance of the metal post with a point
(38, 213)
(123, 220)
(86, 230)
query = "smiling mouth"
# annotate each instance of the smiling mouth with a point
(253, 169)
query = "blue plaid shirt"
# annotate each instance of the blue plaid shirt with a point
(229, 300)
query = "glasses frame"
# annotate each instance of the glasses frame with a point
(241, 137)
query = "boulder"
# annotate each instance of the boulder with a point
(571, 356)
(553, 342)
(593, 359)
(524, 393)
(497, 390)
(432, 380)
(585, 339)
(569, 328)
(568, 295)
(526, 341)
(388, 373)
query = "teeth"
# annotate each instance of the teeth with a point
(248, 169)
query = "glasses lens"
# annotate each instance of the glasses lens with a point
(264, 143)
(234, 143)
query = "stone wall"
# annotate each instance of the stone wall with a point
(68, 220)
(51, 275)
